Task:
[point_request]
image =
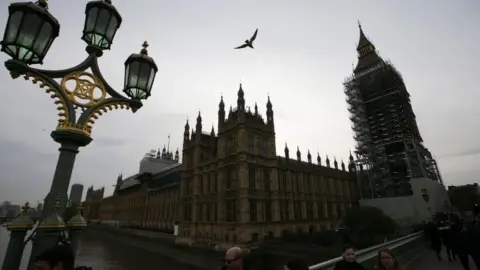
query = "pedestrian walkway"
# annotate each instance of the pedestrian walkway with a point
(428, 260)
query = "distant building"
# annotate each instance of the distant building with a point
(4, 209)
(464, 197)
(76, 193)
(9, 210)
(40, 207)
(156, 162)
(13, 210)
(145, 200)
(91, 205)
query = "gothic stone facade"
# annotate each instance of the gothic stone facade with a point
(146, 201)
(92, 203)
(234, 187)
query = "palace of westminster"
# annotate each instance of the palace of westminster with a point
(231, 186)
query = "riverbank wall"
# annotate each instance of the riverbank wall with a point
(163, 244)
(209, 256)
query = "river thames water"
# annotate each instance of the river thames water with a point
(105, 254)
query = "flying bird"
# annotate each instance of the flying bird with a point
(249, 43)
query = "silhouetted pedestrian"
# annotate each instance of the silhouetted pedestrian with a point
(435, 240)
(426, 230)
(447, 237)
(473, 236)
(461, 247)
(468, 244)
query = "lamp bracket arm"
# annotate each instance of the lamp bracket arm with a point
(96, 71)
(57, 74)
(44, 79)
(91, 114)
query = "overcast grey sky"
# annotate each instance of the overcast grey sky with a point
(304, 51)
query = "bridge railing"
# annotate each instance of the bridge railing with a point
(371, 252)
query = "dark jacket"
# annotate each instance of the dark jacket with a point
(447, 236)
(344, 265)
(468, 239)
(245, 267)
(435, 237)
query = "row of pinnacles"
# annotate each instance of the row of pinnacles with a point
(166, 154)
(242, 115)
(351, 162)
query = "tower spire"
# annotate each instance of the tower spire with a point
(287, 156)
(168, 145)
(363, 40)
(186, 132)
(199, 122)
(366, 52)
(364, 46)
(221, 114)
(270, 114)
(241, 99)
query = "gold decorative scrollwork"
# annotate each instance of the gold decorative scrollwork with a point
(74, 127)
(62, 107)
(110, 106)
(86, 90)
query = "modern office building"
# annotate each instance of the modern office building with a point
(76, 193)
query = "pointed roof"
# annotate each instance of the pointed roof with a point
(367, 54)
(240, 91)
(199, 117)
(221, 104)
(363, 40)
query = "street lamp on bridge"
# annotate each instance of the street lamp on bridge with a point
(80, 96)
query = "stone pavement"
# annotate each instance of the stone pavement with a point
(428, 260)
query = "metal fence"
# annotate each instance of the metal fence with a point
(370, 252)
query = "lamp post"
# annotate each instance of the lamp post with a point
(80, 96)
(18, 230)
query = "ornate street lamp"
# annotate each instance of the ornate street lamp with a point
(140, 70)
(101, 24)
(29, 33)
